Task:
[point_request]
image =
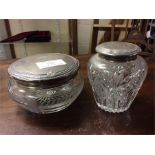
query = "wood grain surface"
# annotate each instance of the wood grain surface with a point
(83, 116)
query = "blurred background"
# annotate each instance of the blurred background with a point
(23, 37)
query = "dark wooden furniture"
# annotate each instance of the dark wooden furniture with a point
(83, 116)
(112, 32)
(73, 45)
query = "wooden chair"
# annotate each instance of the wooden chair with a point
(137, 35)
(113, 30)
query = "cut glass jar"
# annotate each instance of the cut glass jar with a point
(116, 74)
(45, 83)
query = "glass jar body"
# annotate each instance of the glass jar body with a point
(46, 100)
(115, 84)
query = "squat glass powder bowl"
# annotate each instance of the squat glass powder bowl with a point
(45, 83)
(116, 74)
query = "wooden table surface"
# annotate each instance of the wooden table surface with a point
(83, 116)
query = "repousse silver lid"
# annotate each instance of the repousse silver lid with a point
(44, 67)
(117, 48)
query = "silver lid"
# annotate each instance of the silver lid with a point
(44, 67)
(117, 48)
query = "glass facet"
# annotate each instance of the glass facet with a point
(45, 83)
(115, 84)
(46, 100)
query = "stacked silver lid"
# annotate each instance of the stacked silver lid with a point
(46, 66)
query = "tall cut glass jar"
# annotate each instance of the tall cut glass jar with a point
(116, 74)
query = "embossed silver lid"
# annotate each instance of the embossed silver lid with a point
(49, 66)
(117, 48)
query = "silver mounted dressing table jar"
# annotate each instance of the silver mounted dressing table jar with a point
(116, 74)
(45, 83)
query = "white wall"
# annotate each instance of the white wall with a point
(84, 35)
